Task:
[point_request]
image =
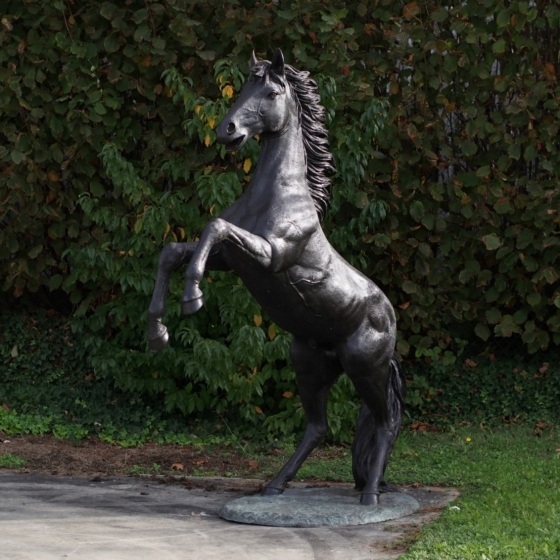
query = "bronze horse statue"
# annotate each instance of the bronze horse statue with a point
(272, 238)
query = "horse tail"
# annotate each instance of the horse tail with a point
(366, 429)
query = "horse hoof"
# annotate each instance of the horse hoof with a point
(270, 491)
(191, 306)
(158, 343)
(368, 499)
(192, 298)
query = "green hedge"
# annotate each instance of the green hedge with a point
(447, 195)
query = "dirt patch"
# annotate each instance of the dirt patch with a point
(91, 457)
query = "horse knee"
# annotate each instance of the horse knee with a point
(217, 227)
(168, 257)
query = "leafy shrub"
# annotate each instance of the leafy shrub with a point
(447, 389)
(48, 385)
(9, 461)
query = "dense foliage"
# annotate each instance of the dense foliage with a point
(447, 195)
(48, 384)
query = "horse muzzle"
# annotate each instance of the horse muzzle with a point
(229, 135)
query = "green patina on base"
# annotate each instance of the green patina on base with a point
(317, 507)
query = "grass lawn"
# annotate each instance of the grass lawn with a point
(510, 484)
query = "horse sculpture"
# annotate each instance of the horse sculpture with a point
(271, 237)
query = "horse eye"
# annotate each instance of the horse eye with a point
(273, 95)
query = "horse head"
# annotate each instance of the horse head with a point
(264, 106)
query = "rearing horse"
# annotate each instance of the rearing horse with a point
(271, 237)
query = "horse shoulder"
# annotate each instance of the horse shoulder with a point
(289, 234)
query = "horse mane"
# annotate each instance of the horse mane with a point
(320, 162)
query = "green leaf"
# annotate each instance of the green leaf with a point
(142, 33)
(519, 317)
(140, 15)
(506, 327)
(503, 18)
(96, 188)
(112, 43)
(287, 15)
(35, 251)
(464, 276)
(533, 299)
(493, 316)
(503, 206)
(55, 282)
(158, 43)
(550, 275)
(492, 295)
(206, 55)
(361, 9)
(492, 241)
(108, 10)
(409, 287)
(17, 156)
(381, 240)
(73, 230)
(417, 210)
(56, 230)
(440, 15)
(403, 347)
(482, 331)
(23, 144)
(499, 46)
(469, 148)
(434, 82)
(530, 153)
(525, 238)
(429, 221)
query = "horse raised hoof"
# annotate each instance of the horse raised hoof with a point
(271, 491)
(158, 343)
(369, 499)
(192, 299)
(188, 307)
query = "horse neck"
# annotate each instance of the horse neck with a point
(282, 163)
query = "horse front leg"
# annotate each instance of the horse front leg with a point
(172, 257)
(216, 231)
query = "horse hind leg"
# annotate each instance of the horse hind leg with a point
(316, 370)
(366, 432)
(367, 359)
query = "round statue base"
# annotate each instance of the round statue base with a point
(317, 507)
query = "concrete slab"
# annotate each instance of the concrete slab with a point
(44, 518)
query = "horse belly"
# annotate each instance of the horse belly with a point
(323, 306)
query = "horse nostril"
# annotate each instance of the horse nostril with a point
(230, 128)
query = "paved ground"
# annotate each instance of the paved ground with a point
(44, 518)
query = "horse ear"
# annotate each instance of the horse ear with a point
(277, 64)
(254, 60)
